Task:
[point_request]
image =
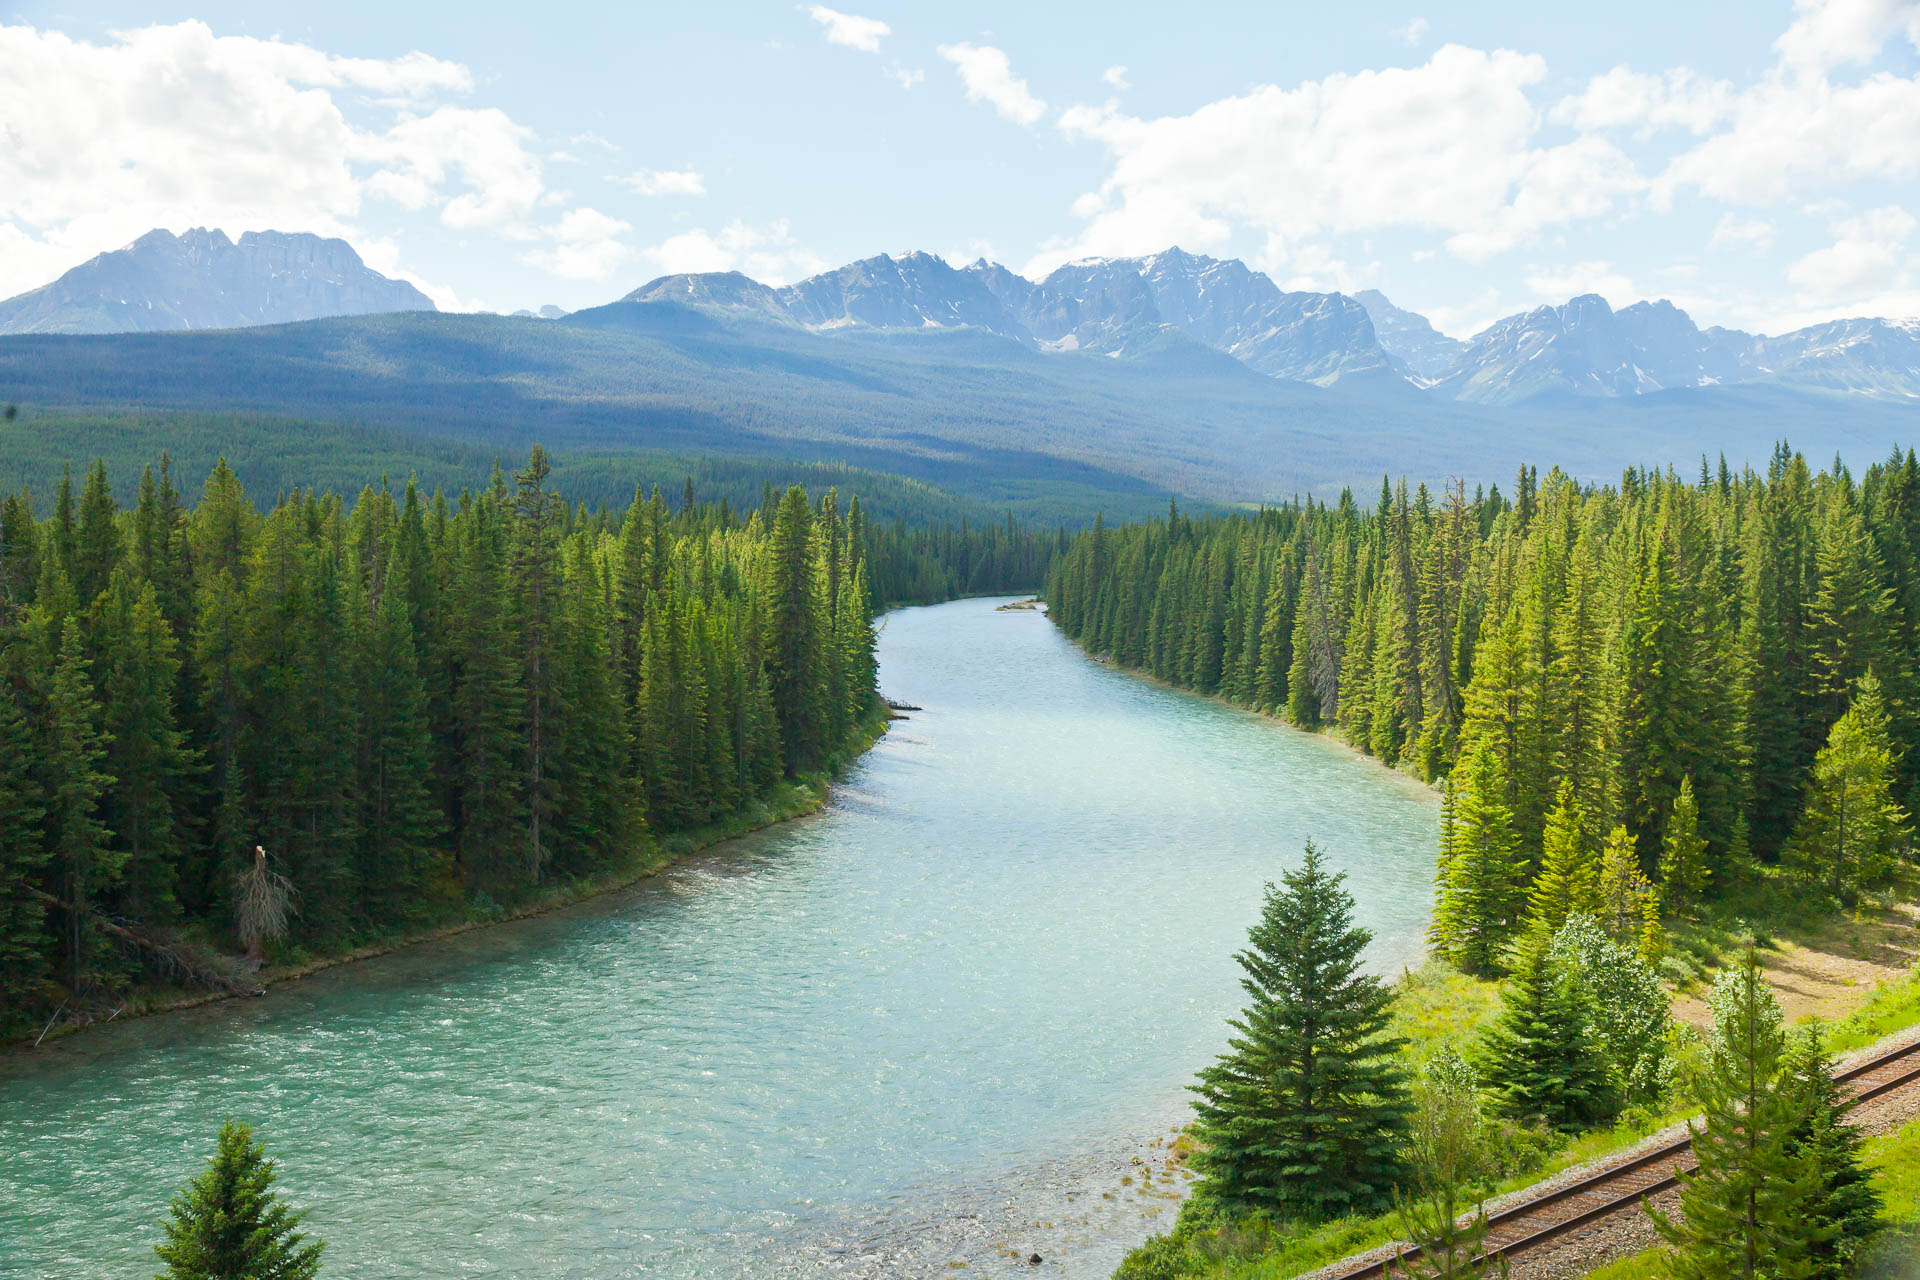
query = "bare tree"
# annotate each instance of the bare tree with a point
(262, 903)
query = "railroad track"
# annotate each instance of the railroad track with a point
(1530, 1224)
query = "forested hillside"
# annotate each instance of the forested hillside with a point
(419, 706)
(1652, 680)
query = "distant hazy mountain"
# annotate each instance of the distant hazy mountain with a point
(1108, 306)
(1410, 338)
(1587, 348)
(1126, 306)
(202, 280)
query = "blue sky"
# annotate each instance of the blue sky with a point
(1756, 162)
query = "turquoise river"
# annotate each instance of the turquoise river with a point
(936, 1023)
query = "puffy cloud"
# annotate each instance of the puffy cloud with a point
(1446, 146)
(1867, 257)
(1732, 232)
(1412, 32)
(988, 77)
(1116, 78)
(1625, 98)
(586, 246)
(850, 29)
(664, 182)
(173, 126)
(1829, 33)
(905, 77)
(768, 254)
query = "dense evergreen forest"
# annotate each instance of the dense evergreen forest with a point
(302, 728)
(1634, 689)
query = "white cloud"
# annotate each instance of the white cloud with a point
(586, 246)
(905, 77)
(1830, 33)
(1413, 32)
(768, 254)
(1116, 78)
(1625, 98)
(1557, 284)
(664, 182)
(851, 30)
(1447, 146)
(172, 126)
(1868, 256)
(988, 77)
(1751, 235)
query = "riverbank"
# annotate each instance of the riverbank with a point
(792, 799)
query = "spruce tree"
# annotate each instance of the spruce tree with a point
(1844, 1207)
(77, 782)
(1542, 1053)
(1444, 1150)
(23, 929)
(1683, 853)
(230, 1224)
(148, 756)
(1568, 880)
(796, 634)
(1306, 1113)
(1745, 1211)
(1629, 904)
(1481, 890)
(1852, 827)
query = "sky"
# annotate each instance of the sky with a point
(1758, 162)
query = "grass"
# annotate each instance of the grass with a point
(1893, 1007)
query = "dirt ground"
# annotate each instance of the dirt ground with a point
(1829, 974)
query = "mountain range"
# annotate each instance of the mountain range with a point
(203, 280)
(1103, 306)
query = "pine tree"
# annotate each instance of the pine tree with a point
(1852, 828)
(1444, 1150)
(400, 829)
(536, 571)
(1567, 882)
(1481, 890)
(1306, 1113)
(230, 1224)
(794, 634)
(1629, 909)
(1745, 1211)
(148, 757)
(23, 931)
(1683, 854)
(1844, 1207)
(1541, 1053)
(74, 756)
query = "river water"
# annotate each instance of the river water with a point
(937, 1023)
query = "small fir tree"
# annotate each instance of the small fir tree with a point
(229, 1223)
(1852, 827)
(1683, 853)
(1568, 881)
(1745, 1210)
(1445, 1149)
(1481, 868)
(1306, 1113)
(1629, 902)
(1542, 1052)
(1844, 1206)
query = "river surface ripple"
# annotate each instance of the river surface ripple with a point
(937, 1023)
